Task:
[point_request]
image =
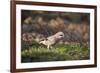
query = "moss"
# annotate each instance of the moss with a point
(60, 52)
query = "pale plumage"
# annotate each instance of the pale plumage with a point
(49, 41)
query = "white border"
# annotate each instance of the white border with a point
(20, 65)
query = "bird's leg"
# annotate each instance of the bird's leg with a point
(51, 48)
(48, 47)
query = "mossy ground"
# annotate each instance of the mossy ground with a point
(59, 52)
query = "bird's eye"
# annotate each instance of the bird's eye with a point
(61, 35)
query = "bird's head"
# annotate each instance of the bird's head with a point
(59, 35)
